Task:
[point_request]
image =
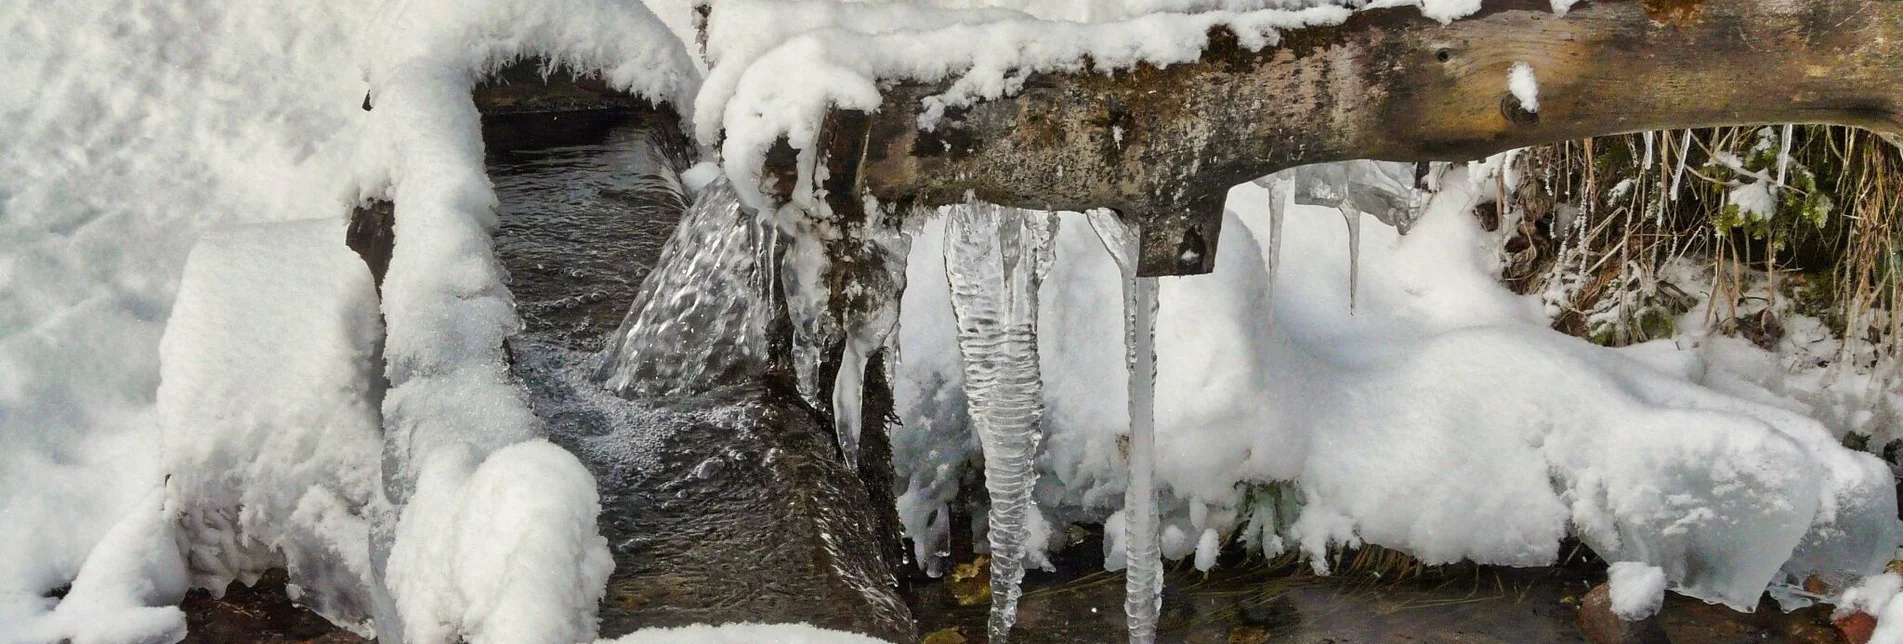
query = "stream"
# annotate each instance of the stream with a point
(736, 507)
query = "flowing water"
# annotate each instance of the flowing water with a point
(730, 505)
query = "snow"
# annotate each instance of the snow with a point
(1637, 589)
(268, 416)
(743, 633)
(1524, 86)
(784, 93)
(501, 550)
(1445, 418)
(127, 592)
(137, 126)
(132, 126)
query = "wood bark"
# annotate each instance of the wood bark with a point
(1163, 145)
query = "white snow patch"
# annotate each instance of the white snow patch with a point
(1637, 589)
(270, 430)
(1524, 86)
(127, 590)
(501, 550)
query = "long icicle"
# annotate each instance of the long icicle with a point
(995, 259)
(1143, 571)
(1353, 218)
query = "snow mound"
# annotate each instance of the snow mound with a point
(1443, 418)
(501, 550)
(128, 590)
(267, 404)
(1637, 589)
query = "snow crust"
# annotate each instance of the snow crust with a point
(1445, 418)
(1637, 589)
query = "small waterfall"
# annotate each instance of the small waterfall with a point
(700, 320)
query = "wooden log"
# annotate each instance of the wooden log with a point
(1163, 145)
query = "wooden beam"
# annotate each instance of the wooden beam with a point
(1163, 145)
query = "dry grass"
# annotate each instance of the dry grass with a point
(1611, 211)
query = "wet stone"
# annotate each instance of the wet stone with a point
(261, 613)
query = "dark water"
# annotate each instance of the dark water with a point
(582, 225)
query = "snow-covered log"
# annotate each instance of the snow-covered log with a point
(1163, 145)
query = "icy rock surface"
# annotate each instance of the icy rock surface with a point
(995, 257)
(700, 320)
(1143, 556)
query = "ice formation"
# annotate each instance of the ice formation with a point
(1143, 556)
(995, 258)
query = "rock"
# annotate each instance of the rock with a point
(970, 582)
(749, 516)
(1601, 626)
(261, 613)
(1856, 627)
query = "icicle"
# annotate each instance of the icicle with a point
(870, 321)
(1280, 188)
(849, 400)
(995, 258)
(1784, 156)
(1646, 165)
(803, 282)
(1353, 219)
(1143, 555)
(1684, 151)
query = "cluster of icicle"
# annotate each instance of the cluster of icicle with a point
(1388, 190)
(701, 321)
(995, 259)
